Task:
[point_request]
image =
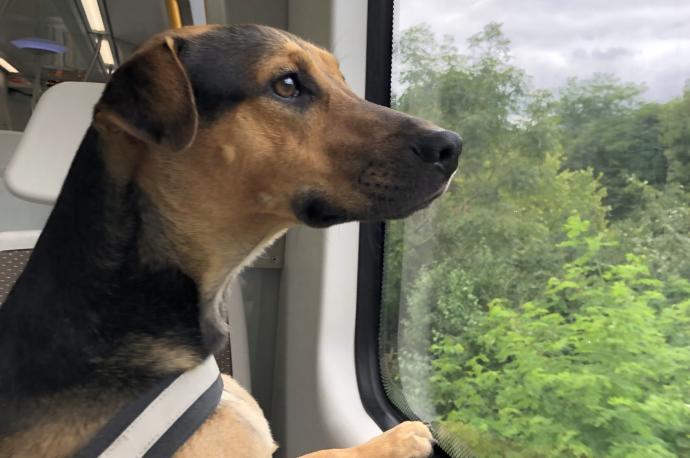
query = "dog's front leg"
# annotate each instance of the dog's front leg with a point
(411, 439)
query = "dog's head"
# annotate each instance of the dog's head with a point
(255, 121)
(233, 134)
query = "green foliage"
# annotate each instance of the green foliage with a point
(593, 367)
(605, 127)
(676, 138)
(542, 307)
(476, 92)
(659, 229)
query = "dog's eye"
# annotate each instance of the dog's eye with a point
(287, 86)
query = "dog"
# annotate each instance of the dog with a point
(206, 145)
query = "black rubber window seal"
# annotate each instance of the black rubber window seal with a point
(371, 238)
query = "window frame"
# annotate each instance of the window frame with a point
(372, 237)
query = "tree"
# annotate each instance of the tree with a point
(676, 138)
(606, 127)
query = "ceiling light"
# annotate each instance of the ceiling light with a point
(93, 15)
(107, 53)
(7, 66)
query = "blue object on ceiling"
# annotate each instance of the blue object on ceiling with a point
(39, 44)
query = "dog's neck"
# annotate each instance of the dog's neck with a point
(93, 305)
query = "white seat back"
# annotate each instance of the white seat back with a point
(50, 140)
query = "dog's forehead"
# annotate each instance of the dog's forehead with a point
(227, 65)
(300, 55)
(256, 47)
(233, 49)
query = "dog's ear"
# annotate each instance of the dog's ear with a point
(150, 97)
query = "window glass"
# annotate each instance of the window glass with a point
(45, 42)
(541, 308)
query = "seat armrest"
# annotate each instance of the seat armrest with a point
(18, 240)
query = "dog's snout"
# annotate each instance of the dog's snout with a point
(441, 147)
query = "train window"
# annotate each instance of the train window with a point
(542, 306)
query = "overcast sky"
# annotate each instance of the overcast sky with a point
(638, 40)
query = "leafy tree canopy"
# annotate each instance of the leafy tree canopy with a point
(541, 308)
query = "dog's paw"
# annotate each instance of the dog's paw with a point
(411, 439)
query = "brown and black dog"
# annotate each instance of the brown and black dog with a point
(207, 144)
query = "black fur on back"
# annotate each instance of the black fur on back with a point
(85, 292)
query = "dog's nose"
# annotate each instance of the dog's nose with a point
(440, 147)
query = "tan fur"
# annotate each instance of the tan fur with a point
(410, 439)
(237, 429)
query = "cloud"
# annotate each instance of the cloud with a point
(640, 41)
(612, 53)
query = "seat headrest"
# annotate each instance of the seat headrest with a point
(51, 139)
